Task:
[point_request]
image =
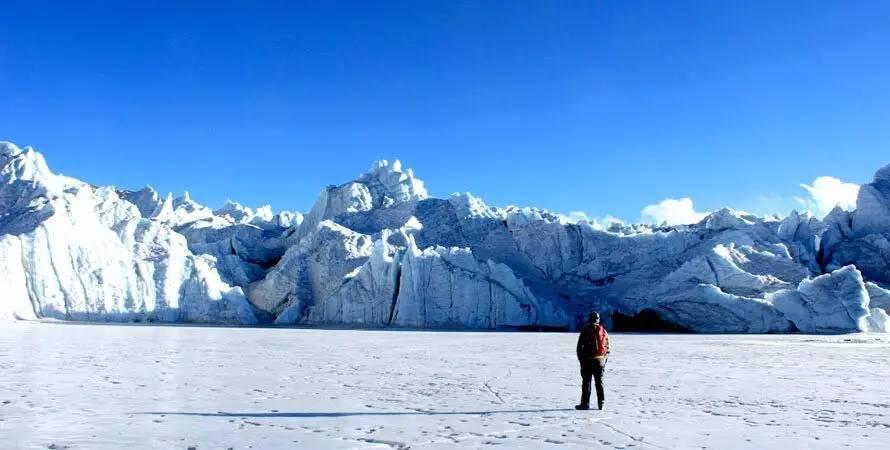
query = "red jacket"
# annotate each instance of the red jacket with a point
(593, 342)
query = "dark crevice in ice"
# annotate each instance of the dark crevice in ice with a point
(397, 261)
(646, 321)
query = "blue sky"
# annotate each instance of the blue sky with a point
(596, 106)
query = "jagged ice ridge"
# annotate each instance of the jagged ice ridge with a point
(378, 251)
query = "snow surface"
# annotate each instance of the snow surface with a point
(110, 386)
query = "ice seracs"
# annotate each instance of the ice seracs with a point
(378, 251)
(389, 184)
(366, 294)
(311, 270)
(872, 214)
(861, 236)
(832, 303)
(244, 241)
(450, 287)
(75, 252)
(384, 188)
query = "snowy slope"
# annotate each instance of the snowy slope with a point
(378, 251)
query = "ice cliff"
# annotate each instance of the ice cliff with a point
(378, 251)
(74, 252)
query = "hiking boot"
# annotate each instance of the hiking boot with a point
(582, 407)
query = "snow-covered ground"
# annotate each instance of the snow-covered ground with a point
(103, 386)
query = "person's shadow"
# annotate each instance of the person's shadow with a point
(311, 415)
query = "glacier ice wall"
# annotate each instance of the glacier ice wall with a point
(74, 252)
(378, 251)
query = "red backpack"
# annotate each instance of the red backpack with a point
(601, 337)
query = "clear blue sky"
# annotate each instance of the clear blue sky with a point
(598, 106)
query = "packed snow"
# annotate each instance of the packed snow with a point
(379, 251)
(183, 387)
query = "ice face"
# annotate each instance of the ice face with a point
(830, 303)
(860, 238)
(75, 252)
(377, 251)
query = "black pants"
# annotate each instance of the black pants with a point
(592, 368)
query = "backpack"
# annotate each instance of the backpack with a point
(600, 340)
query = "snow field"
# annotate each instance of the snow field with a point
(103, 386)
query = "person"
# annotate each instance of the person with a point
(593, 351)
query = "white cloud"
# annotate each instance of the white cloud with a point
(599, 223)
(577, 216)
(603, 223)
(673, 211)
(828, 192)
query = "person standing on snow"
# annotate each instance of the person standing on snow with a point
(593, 350)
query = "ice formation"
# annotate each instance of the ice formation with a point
(378, 251)
(74, 252)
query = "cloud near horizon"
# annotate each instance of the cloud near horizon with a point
(826, 192)
(672, 211)
(601, 223)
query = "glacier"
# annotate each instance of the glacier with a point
(379, 251)
(71, 251)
